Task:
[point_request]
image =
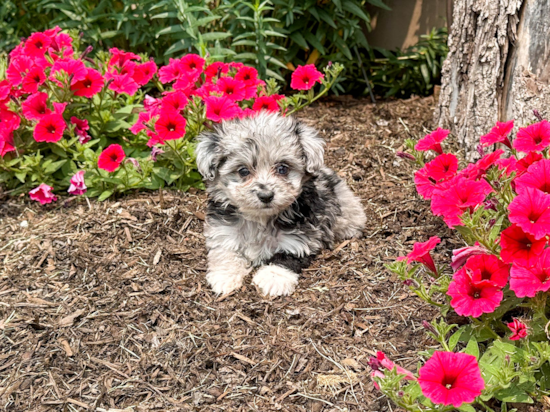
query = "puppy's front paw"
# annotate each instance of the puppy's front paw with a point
(224, 281)
(275, 280)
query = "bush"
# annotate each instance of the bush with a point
(85, 125)
(273, 36)
(497, 283)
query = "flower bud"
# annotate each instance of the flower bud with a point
(480, 150)
(429, 327)
(492, 223)
(411, 282)
(375, 364)
(537, 115)
(155, 151)
(134, 162)
(490, 204)
(400, 394)
(404, 155)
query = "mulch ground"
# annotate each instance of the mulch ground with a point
(104, 306)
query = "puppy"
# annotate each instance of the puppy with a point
(272, 203)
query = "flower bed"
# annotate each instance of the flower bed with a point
(97, 127)
(498, 282)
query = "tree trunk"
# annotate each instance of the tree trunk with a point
(498, 67)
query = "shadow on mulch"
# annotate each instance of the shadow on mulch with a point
(104, 305)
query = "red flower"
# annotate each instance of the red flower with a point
(172, 71)
(124, 84)
(144, 72)
(305, 77)
(175, 101)
(111, 158)
(509, 165)
(421, 253)
(534, 138)
(90, 85)
(442, 168)
(530, 210)
(519, 329)
(80, 129)
(34, 78)
(78, 187)
(35, 107)
(215, 69)
(170, 125)
(120, 57)
(473, 296)
(528, 280)
(43, 194)
(537, 176)
(524, 163)
(382, 360)
(268, 103)
(432, 141)
(498, 134)
(461, 195)
(248, 75)
(461, 255)
(37, 45)
(143, 118)
(9, 121)
(451, 378)
(192, 64)
(64, 70)
(18, 69)
(478, 170)
(50, 128)
(6, 142)
(518, 246)
(488, 268)
(220, 108)
(233, 89)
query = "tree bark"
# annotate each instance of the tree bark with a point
(498, 67)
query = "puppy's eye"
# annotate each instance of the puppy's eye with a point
(243, 172)
(282, 169)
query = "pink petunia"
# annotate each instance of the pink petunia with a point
(77, 187)
(488, 268)
(537, 176)
(305, 77)
(172, 71)
(64, 70)
(529, 279)
(81, 128)
(50, 128)
(18, 68)
(120, 57)
(449, 378)
(34, 78)
(460, 256)
(111, 157)
(177, 101)
(220, 108)
(215, 69)
(518, 246)
(37, 45)
(432, 141)
(170, 125)
(233, 89)
(533, 138)
(460, 196)
(442, 168)
(421, 253)
(43, 194)
(124, 84)
(530, 210)
(6, 142)
(90, 85)
(519, 329)
(473, 296)
(144, 72)
(498, 134)
(267, 103)
(35, 107)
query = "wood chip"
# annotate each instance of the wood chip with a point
(75, 402)
(243, 358)
(156, 259)
(66, 347)
(69, 320)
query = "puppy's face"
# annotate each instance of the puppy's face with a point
(258, 164)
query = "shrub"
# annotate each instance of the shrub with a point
(72, 123)
(497, 283)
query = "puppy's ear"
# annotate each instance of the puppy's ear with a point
(209, 154)
(313, 146)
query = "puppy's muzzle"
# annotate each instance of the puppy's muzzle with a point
(266, 196)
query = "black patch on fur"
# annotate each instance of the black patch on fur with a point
(291, 262)
(225, 214)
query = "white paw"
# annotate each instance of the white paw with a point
(275, 280)
(224, 281)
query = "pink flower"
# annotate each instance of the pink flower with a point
(192, 63)
(143, 119)
(384, 361)
(462, 195)
(268, 103)
(18, 69)
(90, 85)
(50, 128)
(528, 280)
(460, 256)
(175, 101)
(111, 158)
(305, 77)
(220, 108)
(248, 75)
(523, 164)
(9, 121)
(473, 296)
(144, 72)
(534, 138)
(43, 194)
(6, 142)
(441, 169)
(233, 89)
(64, 70)
(488, 268)
(80, 128)
(35, 107)
(170, 125)
(34, 78)
(432, 141)
(421, 253)
(77, 187)
(518, 246)
(120, 57)
(215, 69)
(124, 84)
(537, 176)
(530, 210)
(37, 44)
(498, 134)
(478, 170)
(519, 329)
(451, 378)
(171, 71)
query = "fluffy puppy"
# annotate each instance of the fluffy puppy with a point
(272, 203)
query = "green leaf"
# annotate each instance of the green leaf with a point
(353, 8)
(297, 38)
(379, 3)
(314, 42)
(513, 394)
(177, 28)
(466, 407)
(215, 36)
(472, 348)
(453, 340)
(53, 167)
(106, 194)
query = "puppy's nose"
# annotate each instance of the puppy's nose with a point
(266, 196)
